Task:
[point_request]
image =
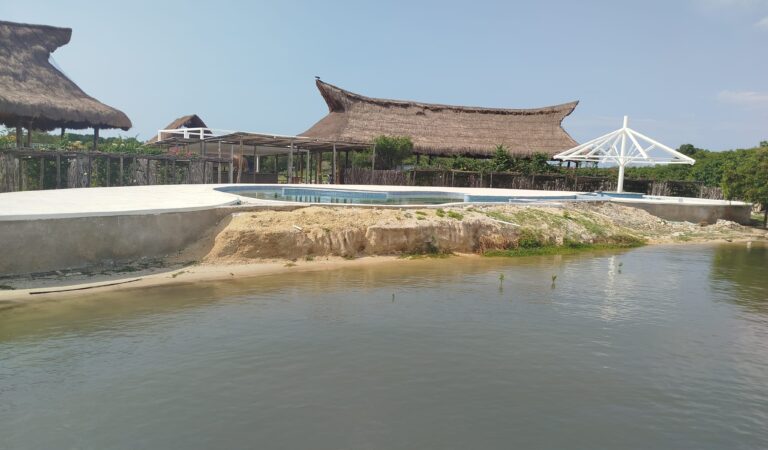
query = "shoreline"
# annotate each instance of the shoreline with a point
(62, 289)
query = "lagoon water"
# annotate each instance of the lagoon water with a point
(658, 347)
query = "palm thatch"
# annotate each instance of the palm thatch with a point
(190, 121)
(35, 94)
(443, 129)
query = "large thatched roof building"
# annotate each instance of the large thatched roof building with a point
(35, 94)
(443, 129)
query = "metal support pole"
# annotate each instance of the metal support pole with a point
(257, 161)
(620, 185)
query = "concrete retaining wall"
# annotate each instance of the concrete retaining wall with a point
(694, 212)
(43, 245)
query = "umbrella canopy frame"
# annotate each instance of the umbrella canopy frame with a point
(622, 147)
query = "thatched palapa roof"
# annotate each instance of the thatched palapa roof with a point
(443, 129)
(190, 121)
(33, 91)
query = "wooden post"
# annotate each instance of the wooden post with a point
(173, 171)
(346, 166)
(309, 168)
(122, 178)
(63, 131)
(335, 167)
(19, 136)
(231, 163)
(42, 172)
(418, 159)
(290, 164)
(88, 175)
(373, 161)
(218, 164)
(58, 171)
(95, 139)
(240, 164)
(29, 136)
(319, 168)
(109, 167)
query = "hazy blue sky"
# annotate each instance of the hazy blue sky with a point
(683, 70)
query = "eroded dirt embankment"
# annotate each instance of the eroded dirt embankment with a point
(351, 232)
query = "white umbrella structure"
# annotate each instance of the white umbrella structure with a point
(624, 146)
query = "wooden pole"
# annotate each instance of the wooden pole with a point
(319, 168)
(109, 167)
(346, 166)
(373, 160)
(290, 164)
(42, 172)
(240, 164)
(121, 171)
(88, 174)
(218, 164)
(29, 136)
(335, 168)
(95, 139)
(231, 163)
(19, 136)
(58, 171)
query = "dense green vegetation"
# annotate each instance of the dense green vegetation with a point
(81, 142)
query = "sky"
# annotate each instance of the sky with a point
(684, 71)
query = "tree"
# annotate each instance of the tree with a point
(746, 178)
(391, 151)
(502, 161)
(763, 144)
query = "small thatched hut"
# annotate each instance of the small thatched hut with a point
(36, 95)
(443, 130)
(190, 121)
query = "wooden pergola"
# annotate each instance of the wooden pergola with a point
(242, 144)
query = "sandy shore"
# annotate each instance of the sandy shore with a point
(42, 290)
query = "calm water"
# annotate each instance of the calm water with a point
(660, 347)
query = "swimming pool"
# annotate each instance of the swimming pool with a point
(379, 197)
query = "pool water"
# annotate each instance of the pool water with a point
(318, 195)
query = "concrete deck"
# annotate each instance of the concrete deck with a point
(133, 200)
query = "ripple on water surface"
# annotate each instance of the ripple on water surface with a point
(659, 347)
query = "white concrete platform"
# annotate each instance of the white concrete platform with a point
(112, 201)
(157, 199)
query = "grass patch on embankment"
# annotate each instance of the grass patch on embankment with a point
(568, 247)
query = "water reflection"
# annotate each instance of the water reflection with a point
(739, 273)
(652, 348)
